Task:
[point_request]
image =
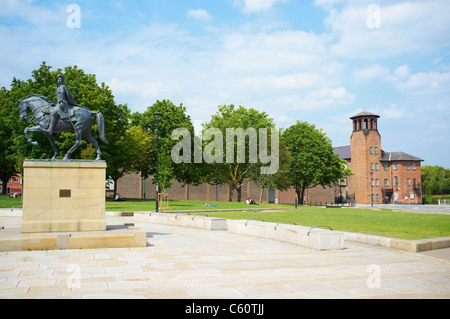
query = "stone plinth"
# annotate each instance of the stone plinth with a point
(63, 196)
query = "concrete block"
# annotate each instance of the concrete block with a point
(320, 239)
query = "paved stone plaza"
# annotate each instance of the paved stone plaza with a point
(182, 262)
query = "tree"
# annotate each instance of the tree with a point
(173, 117)
(230, 169)
(317, 164)
(435, 180)
(281, 180)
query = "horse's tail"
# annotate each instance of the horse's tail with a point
(101, 126)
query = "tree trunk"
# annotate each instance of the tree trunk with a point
(239, 192)
(230, 193)
(300, 198)
(4, 186)
(261, 193)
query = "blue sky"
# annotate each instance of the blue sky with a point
(320, 61)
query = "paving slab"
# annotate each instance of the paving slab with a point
(188, 263)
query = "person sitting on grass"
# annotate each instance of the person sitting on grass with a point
(118, 198)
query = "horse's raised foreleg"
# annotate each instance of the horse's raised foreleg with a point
(27, 131)
(77, 144)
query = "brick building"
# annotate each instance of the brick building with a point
(13, 186)
(378, 175)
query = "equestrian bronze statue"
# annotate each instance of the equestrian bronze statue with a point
(64, 116)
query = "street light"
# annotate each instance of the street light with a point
(295, 174)
(371, 187)
(158, 118)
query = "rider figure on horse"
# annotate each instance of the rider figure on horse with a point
(64, 103)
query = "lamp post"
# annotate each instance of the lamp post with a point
(295, 174)
(158, 118)
(371, 187)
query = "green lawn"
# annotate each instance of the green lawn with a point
(384, 222)
(180, 205)
(7, 202)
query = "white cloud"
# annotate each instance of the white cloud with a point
(199, 14)
(250, 6)
(405, 28)
(393, 112)
(371, 72)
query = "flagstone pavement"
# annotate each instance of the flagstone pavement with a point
(190, 263)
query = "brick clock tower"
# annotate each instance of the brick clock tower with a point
(379, 176)
(365, 145)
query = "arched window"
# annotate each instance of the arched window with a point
(365, 124)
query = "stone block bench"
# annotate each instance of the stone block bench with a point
(310, 237)
(182, 219)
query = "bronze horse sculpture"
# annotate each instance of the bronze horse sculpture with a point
(81, 123)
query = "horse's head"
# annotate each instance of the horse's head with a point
(23, 110)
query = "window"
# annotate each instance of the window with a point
(376, 166)
(386, 166)
(373, 197)
(371, 166)
(411, 195)
(377, 183)
(378, 197)
(414, 166)
(407, 166)
(395, 181)
(371, 150)
(395, 167)
(376, 150)
(372, 181)
(408, 181)
(386, 182)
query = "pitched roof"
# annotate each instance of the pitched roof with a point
(344, 152)
(398, 156)
(364, 113)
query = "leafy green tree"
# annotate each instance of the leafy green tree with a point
(317, 164)
(173, 117)
(435, 180)
(232, 171)
(281, 180)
